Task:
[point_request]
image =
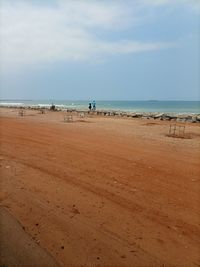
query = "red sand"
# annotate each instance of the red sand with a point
(17, 248)
(103, 191)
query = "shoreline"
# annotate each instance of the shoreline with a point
(167, 116)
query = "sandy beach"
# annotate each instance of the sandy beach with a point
(103, 191)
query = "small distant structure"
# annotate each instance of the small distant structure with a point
(42, 111)
(82, 115)
(21, 112)
(177, 130)
(68, 118)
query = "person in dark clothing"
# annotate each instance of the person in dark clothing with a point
(53, 107)
(90, 106)
(94, 105)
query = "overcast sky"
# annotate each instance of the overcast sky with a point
(114, 50)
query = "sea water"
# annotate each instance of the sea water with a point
(126, 106)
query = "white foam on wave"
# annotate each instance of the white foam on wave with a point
(13, 104)
(44, 105)
(61, 106)
(49, 105)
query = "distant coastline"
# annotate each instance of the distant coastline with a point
(148, 106)
(120, 109)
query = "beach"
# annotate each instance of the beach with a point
(103, 190)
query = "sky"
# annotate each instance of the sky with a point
(100, 49)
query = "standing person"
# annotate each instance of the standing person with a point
(53, 107)
(94, 105)
(90, 106)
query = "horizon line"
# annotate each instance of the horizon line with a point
(113, 100)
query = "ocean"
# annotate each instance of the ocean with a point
(179, 107)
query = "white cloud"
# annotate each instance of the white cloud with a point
(68, 31)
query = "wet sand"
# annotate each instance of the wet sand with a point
(103, 191)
